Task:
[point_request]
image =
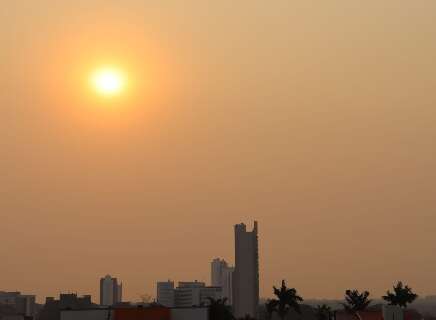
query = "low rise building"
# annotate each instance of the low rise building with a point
(191, 294)
(67, 301)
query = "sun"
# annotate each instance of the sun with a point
(108, 81)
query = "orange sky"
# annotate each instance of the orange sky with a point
(314, 117)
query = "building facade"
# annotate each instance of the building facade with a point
(222, 276)
(187, 294)
(246, 273)
(165, 293)
(110, 291)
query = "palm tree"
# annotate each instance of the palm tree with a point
(219, 310)
(401, 296)
(356, 302)
(287, 299)
(323, 312)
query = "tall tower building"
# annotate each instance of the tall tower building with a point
(221, 276)
(110, 291)
(246, 274)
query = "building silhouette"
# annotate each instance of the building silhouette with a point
(222, 276)
(246, 274)
(21, 304)
(110, 291)
(53, 307)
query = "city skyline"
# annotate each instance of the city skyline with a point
(240, 281)
(151, 291)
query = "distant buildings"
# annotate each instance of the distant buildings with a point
(53, 307)
(110, 291)
(246, 273)
(189, 300)
(222, 276)
(187, 294)
(165, 293)
(22, 304)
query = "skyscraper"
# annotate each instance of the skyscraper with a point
(221, 276)
(246, 274)
(110, 291)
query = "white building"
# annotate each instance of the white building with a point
(187, 294)
(110, 291)
(222, 276)
(246, 274)
(165, 293)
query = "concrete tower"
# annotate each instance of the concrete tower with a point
(246, 274)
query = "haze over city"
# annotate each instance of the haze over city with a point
(315, 118)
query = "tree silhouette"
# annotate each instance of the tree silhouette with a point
(287, 299)
(269, 307)
(219, 310)
(356, 302)
(323, 312)
(402, 295)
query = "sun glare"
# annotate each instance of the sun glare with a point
(108, 81)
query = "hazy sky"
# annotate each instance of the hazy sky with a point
(317, 118)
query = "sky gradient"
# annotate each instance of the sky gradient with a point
(314, 117)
